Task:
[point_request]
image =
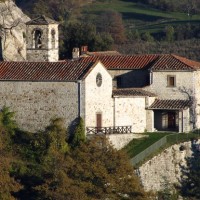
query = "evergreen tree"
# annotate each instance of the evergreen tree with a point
(169, 30)
(79, 133)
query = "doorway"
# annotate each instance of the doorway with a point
(171, 120)
(98, 121)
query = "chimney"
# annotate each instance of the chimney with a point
(75, 53)
(84, 50)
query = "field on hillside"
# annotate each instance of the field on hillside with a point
(140, 16)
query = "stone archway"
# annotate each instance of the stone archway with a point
(37, 39)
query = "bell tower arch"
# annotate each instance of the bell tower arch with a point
(42, 40)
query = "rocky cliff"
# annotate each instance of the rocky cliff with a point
(167, 167)
(12, 32)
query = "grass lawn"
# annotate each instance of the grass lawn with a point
(182, 137)
(138, 145)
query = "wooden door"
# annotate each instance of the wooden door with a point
(99, 121)
(171, 120)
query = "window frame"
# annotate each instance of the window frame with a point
(169, 81)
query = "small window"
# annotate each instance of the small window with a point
(53, 38)
(171, 81)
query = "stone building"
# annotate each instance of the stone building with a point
(112, 92)
(174, 80)
(42, 39)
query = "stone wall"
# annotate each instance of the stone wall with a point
(98, 99)
(184, 80)
(35, 103)
(119, 141)
(197, 99)
(130, 111)
(166, 167)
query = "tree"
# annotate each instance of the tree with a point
(60, 10)
(134, 35)
(169, 31)
(57, 136)
(8, 185)
(102, 42)
(80, 34)
(79, 133)
(147, 37)
(94, 170)
(111, 22)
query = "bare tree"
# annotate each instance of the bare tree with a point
(193, 111)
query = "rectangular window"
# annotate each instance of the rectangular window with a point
(171, 81)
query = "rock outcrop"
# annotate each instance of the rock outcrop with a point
(12, 32)
(167, 167)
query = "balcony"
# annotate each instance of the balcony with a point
(109, 130)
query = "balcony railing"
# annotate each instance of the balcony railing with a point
(109, 130)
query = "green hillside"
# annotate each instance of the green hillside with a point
(141, 16)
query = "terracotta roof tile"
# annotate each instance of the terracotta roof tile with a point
(132, 92)
(166, 104)
(173, 62)
(156, 62)
(123, 61)
(44, 71)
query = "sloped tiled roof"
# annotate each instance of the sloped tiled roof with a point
(41, 20)
(155, 62)
(174, 62)
(132, 92)
(123, 61)
(166, 104)
(44, 71)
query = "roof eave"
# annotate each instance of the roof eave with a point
(173, 70)
(168, 108)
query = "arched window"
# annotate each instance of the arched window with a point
(53, 38)
(37, 39)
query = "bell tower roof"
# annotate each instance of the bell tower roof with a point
(41, 20)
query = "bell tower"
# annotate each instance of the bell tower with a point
(42, 40)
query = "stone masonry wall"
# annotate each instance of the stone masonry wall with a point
(98, 99)
(131, 112)
(167, 166)
(121, 140)
(160, 88)
(35, 103)
(197, 98)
